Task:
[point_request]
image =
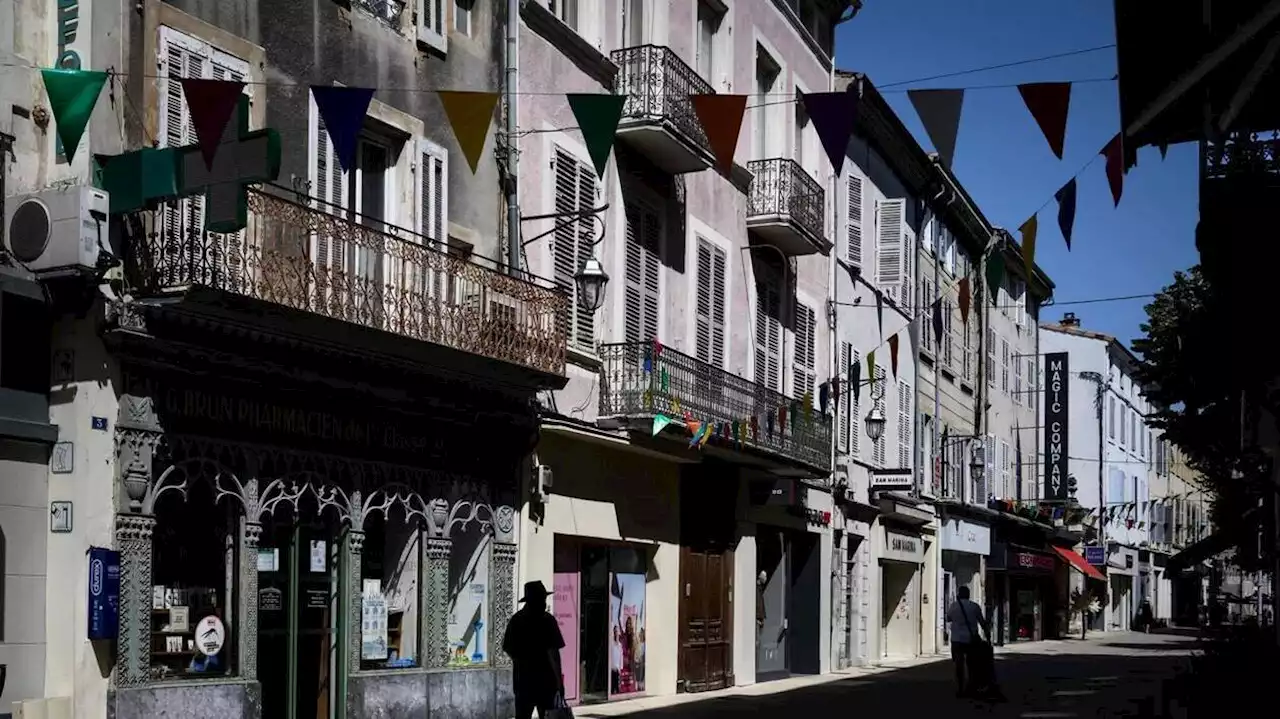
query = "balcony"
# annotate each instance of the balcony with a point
(636, 383)
(785, 207)
(374, 275)
(658, 119)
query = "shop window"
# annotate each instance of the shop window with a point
(469, 596)
(390, 567)
(195, 549)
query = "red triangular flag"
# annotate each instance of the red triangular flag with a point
(210, 103)
(1048, 103)
(963, 290)
(721, 119)
(893, 355)
(1114, 152)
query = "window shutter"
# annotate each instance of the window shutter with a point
(803, 377)
(877, 448)
(990, 458)
(571, 247)
(712, 267)
(844, 398)
(432, 204)
(431, 30)
(908, 254)
(181, 56)
(643, 269)
(768, 370)
(904, 424)
(853, 222)
(1004, 365)
(1018, 395)
(889, 250)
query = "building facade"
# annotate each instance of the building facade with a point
(301, 443)
(686, 525)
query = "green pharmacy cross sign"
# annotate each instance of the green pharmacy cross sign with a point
(141, 177)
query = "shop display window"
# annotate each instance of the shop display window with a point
(193, 576)
(469, 596)
(391, 569)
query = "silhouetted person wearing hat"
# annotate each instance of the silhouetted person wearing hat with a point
(533, 642)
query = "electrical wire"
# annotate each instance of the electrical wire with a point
(999, 66)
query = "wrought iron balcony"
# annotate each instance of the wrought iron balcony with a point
(296, 254)
(637, 382)
(785, 207)
(658, 118)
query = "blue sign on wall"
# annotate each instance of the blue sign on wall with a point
(104, 593)
(1096, 556)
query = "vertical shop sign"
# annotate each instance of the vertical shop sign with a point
(565, 608)
(626, 634)
(1056, 381)
(104, 593)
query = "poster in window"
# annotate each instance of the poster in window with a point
(469, 595)
(565, 609)
(626, 633)
(373, 621)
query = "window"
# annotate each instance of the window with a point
(890, 265)
(853, 221)
(431, 24)
(849, 420)
(948, 310)
(989, 452)
(1004, 365)
(1111, 418)
(1017, 382)
(575, 191)
(1133, 427)
(634, 20)
(769, 329)
(926, 294)
(877, 448)
(712, 275)
(966, 374)
(1006, 463)
(904, 424)
(709, 20)
(391, 563)
(642, 303)
(462, 16)
(991, 357)
(566, 10)
(805, 351)
(767, 72)
(1124, 416)
(798, 127)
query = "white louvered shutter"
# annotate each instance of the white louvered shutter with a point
(1004, 364)
(228, 261)
(990, 457)
(853, 221)
(180, 56)
(877, 448)
(329, 186)
(991, 357)
(643, 269)
(844, 397)
(712, 268)
(431, 190)
(904, 424)
(855, 396)
(905, 297)
(431, 29)
(575, 191)
(1018, 395)
(889, 250)
(768, 334)
(805, 350)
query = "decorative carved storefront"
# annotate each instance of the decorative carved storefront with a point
(255, 463)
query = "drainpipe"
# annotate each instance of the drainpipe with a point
(513, 154)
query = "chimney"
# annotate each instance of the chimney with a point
(1069, 319)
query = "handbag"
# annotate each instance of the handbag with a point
(559, 708)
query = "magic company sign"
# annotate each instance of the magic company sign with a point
(1056, 381)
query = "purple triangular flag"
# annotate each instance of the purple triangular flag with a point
(832, 114)
(342, 110)
(1066, 197)
(939, 112)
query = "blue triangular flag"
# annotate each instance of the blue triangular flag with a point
(342, 110)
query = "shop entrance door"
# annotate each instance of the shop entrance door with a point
(772, 579)
(706, 625)
(297, 619)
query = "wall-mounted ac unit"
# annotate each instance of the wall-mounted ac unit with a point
(57, 229)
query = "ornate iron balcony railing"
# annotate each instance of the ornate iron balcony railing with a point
(299, 253)
(781, 187)
(1241, 154)
(636, 380)
(658, 84)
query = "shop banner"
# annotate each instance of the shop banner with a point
(903, 548)
(565, 607)
(959, 535)
(626, 634)
(1056, 383)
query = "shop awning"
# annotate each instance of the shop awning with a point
(1078, 562)
(1200, 550)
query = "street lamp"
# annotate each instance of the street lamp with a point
(875, 424)
(591, 281)
(977, 461)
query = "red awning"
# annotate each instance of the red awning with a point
(1078, 562)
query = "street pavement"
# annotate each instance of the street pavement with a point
(1107, 675)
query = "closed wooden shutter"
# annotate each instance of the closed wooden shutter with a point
(889, 249)
(712, 276)
(228, 251)
(181, 56)
(877, 449)
(844, 397)
(991, 357)
(432, 192)
(1004, 365)
(803, 372)
(853, 221)
(768, 334)
(855, 417)
(575, 191)
(642, 304)
(904, 424)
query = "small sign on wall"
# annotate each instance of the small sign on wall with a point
(60, 517)
(63, 458)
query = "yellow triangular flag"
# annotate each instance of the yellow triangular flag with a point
(469, 115)
(1028, 231)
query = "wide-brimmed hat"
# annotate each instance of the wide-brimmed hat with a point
(534, 590)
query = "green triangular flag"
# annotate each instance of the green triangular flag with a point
(660, 422)
(72, 95)
(995, 273)
(597, 117)
(871, 368)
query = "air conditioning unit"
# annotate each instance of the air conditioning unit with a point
(57, 229)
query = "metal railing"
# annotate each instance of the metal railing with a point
(300, 253)
(636, 380)
(780, 187)
(658, 84)
(1240, 154)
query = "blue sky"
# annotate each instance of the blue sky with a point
(1002, 158)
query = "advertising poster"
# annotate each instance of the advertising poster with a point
(626, 634)
(565, 607)
(468, 607)
(373, 621)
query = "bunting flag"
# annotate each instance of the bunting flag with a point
(808, 405)
(342, 111)
(939, 112)
(708, 429)
(768, 421)
(855, 379)
(937, 319)
(660, 422)
(1028, 231)
(962, 289)
(72, 97)
(755, 427)
(1164, 150)
(995, 274)
(871, 367)
(721, 118)
(880, 313)
(832, 115)
(782, 420)
(1066, 197)
(470, 114)
(597, 117)
(824, 395)
(1048, 103)
(893, 355)
(210, 104)
(1114, 152)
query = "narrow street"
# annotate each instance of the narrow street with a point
(1109, 675)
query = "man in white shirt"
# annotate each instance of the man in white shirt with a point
(965, 617)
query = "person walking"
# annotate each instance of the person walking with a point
(964, 617)
(533, 641)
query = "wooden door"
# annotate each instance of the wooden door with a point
(706, 620)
